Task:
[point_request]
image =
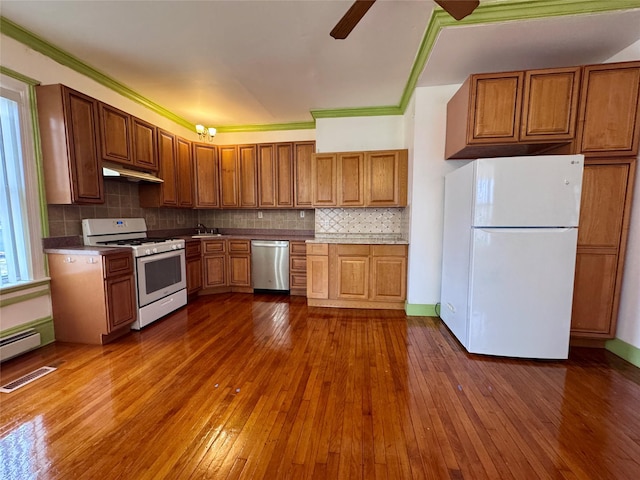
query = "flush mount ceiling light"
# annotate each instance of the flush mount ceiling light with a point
(205, 134)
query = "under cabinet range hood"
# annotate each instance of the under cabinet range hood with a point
(115, 170)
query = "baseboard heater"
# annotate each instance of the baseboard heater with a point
(18, 343)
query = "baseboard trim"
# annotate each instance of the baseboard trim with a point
(417, 310)
(624, 350)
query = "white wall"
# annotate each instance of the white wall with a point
(240, 138)
(360, 133)
(629, 314)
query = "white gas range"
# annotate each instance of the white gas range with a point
(160, 264)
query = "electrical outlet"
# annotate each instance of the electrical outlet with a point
(301, 213)
(259, 214)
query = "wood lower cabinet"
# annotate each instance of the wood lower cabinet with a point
(226, 266)
(357, 276)
(70, 145)
(193, 254)
(93, 295)
(214, 263)
(602, 236)
(239, 262)
(297, 268)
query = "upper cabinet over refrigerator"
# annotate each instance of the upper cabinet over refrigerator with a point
(541, 191)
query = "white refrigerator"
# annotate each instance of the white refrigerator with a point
(509, 251)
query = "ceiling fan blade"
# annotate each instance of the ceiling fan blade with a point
(351, 19)
(458, 9)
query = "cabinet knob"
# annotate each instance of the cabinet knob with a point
(92, 260)
(69, 260)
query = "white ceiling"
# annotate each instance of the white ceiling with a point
(246, 62)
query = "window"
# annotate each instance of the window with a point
(21, 256)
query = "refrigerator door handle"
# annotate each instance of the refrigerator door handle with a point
(524, 229)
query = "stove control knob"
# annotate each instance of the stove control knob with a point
(155, 250)
(147, 252)
(174, 247)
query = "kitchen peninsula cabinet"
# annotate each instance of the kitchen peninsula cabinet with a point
(70, 142)
(512, 113)
(206, 179)
(357, 276)
(93, 295)
(164, 194)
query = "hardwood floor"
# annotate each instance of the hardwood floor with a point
(242, 386)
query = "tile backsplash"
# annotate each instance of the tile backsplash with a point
(121, 200)
(332, 222)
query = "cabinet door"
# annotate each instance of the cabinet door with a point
(386, 184)
(284, 175)
(81, 114)
(318, 276)
(324, 175)
(115, 129)
(302, 184)
(206, 175)
(351, 179)
(495, 108)
(121, 301)
(389, 278)
(248, 176)
(194, 274)
(185, 173)
(266, 175)
(550, 104)
(145, 154)
(349, 272)
(214, 271)
(168, 172)
(609, 122)
(228, 155)
(240, 270)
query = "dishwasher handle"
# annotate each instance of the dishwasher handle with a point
(270, 243)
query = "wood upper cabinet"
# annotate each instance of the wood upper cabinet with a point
(115, 134)
(302, 171)
(360, 179)
(351, 173)
(324, 175)
(512, 113)
(248, 176)
(275, 175)
(609, 121)
(184, 167)
(164, 194)
(550, 104)
(386, 178)
(106, 285)
(229, 195)
(70, 142)
(144, 145)
(207, 184)
(602, 237)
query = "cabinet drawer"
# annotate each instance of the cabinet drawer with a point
(343, 249)
(389, 250)
(298, 264)
(298, 280)
(297, 248)
(213, 246)
(117, 264)
(193, 249)
(239, 246)
(318, 249)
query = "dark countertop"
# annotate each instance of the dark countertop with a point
(86, 250)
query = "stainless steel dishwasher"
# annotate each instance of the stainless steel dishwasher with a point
(270, 264)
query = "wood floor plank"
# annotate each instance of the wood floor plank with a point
(244, 386)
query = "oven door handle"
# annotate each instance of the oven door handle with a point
(159, 256)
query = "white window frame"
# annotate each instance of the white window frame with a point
(23, 93)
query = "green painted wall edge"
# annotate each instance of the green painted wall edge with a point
(5, 302)
(357, 112)
(64, 58)
(417, 310)
(27, 286)
(18, 76)
(44, 326)
(268, 127)
(624, 350)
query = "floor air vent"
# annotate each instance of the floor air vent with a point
(23, 380)
(18, 343)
